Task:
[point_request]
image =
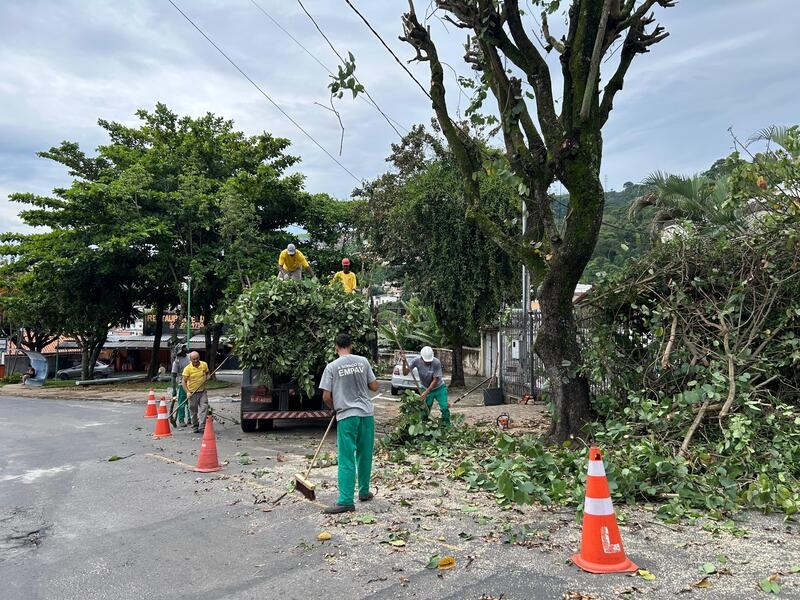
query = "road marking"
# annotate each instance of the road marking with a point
(34, 474)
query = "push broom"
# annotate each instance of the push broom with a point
(301, 482)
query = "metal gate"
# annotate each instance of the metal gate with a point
(521, 371)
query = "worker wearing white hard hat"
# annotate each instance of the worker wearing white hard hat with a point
(431, 379)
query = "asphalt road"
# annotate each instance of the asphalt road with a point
(74, 525)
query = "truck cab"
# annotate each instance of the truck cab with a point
(261, 403)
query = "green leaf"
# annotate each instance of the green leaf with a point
(769, 586)
(709, 568)
(646, 575)
(365, 519)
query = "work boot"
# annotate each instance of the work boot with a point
(366, 497)
(339, 508)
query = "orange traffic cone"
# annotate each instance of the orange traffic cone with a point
(601, 544)
(208, 460)
(151, 412)
(162, 424)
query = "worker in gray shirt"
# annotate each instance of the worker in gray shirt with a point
(431, 379)
(346, 385)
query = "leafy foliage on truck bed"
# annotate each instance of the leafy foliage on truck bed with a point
(289, 327)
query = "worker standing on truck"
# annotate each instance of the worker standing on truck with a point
(195, 378)
(345, 387)
(347, 277)
(291, 263)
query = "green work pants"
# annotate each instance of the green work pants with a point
(355, 439)
(182, 414)
(440, 395)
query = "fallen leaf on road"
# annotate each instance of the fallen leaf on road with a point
(646, 575)
(397, 543)
(114, 457)
(447, 562)
(705, 582)
(324, 535)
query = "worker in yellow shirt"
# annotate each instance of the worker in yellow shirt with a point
(194, 380)
(347, 278)
(291, 263)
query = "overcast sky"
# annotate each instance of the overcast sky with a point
(66, 63)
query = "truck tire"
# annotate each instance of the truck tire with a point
(266, 424)
(248, 425)
(395, 391)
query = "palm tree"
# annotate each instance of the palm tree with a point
(676, 198)
(785, 137)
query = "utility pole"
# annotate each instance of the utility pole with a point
(188, 279)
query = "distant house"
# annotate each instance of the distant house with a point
(127, 353)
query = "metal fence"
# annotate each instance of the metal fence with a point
(522, 371)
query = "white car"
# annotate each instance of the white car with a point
(402, 382)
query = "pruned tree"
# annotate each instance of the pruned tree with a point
(547, 136)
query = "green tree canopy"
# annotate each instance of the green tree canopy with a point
(417, 222)
(168, 198)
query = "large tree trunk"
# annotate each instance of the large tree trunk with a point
(457, 375)
(557, 341)
(91, 345)
(557, 346)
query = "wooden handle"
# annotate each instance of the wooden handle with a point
(322, 441)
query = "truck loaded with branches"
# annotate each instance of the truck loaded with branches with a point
(283, 333)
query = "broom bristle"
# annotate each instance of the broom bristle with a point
(305, 487)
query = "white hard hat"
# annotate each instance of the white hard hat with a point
(426, 353)
(291, 249)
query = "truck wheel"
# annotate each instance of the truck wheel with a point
(395, 391)
(63, 377)
(266, 424)
(249, 425)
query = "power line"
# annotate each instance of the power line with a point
(339, 56)
(294, 39)
(385, 45)
(263, 93)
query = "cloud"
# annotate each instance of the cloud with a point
(68, 63)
